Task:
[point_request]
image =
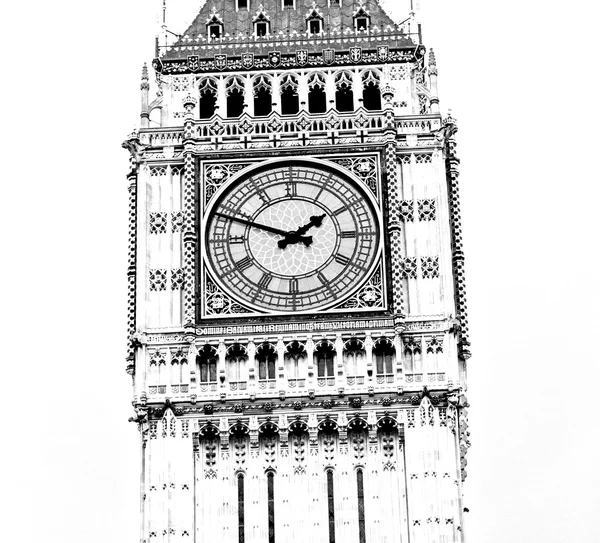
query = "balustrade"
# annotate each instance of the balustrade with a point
(262, 368)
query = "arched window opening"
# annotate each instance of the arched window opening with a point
(330, 506)
(294, 357)
(344, 96)
(236, 359)
(271, 505)
(290, 102)
(214, 28)
(314, 22)
(362, 20)
(267, 364)
(263, 100)
(241, 519)
(288, 3)
(317, 98)
(208, 98)
(325, 358)
(372, 97)
(371, 91)
(207, 368)
(242, 4)
(383, 352)
(354, 360)
(360, 489)
(234, 92)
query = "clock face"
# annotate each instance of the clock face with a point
(291, 238)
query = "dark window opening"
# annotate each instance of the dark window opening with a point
(263, 103)
(361, 506)
(207, 361)
(290, 103)
(235, 103)
(335, 2)
(330, 506)
(208, 102)
(384, 358)
(344, 98)
(317, 100)
(362, 23)
(262, 29)
(242, 4)
(241, 534)
(314, 27)
(288, 3)
(372, 97)
(325, 355)
(214, 31)
(271, 506)
(267, 359)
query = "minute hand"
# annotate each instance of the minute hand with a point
(254, 224)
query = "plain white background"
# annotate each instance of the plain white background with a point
(520, 77)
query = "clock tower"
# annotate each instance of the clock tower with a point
(297, 325)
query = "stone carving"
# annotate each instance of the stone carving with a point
(158, 280)
(158, 223)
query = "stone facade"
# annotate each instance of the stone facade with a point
(346, 422)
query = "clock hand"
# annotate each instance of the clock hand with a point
(315, 220)
(295, 237)
(255, 224)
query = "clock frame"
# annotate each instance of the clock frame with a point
(242, 260)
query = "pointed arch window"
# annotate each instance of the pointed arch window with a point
(354, 361)
(290, 102)
(241, 517)
(294, 358)
(234, 92)
(208, 98)
(371, 84)
(317, 98)
(271, 505)
(263, 99)
(383, 353)
(330, 506)
(266, 356)
(214, 27)
(361, 505)
(207, 367)
(314, 23)
(362, 20)
(236, 359)
(344, 95)
(325, 361)
(262, 26)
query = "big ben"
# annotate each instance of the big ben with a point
(297, 324)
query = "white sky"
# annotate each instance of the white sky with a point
(521, 79)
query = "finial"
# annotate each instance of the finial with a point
(432, 58)
(432, 66)
(145, 80)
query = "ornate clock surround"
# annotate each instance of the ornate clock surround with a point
(363, 169)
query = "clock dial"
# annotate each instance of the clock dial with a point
(291, 238)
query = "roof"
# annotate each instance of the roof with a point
(287, 26)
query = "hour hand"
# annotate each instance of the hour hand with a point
(315, 220)
(294, 237)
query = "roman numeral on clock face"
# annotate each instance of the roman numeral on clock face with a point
(244, 263)
(236, 239)
(348, 233)
(291, 189)
(265, 280)
(341, 259)
(293, 286)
